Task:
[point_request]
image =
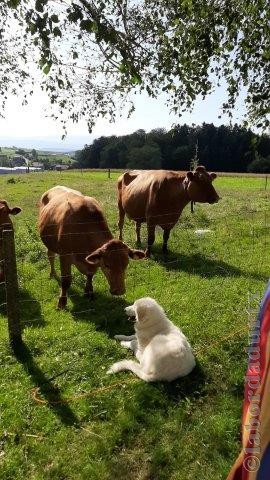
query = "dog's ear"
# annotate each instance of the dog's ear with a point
(141, 311)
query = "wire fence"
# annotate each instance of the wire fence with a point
(205, 251)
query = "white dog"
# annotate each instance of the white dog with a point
(161, 348)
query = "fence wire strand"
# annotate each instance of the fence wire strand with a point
(145, 280)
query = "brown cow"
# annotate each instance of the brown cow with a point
(158, 197)
(5, 212)
(74, 227)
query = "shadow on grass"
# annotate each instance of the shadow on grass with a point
(31, 315)
(104, 311)
(191, 386)
(30, 311)
(151, 406)
(198, 264)
(46, 388)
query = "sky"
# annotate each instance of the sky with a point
(30, 127)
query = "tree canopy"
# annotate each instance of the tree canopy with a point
(93, 54)
(222, 149)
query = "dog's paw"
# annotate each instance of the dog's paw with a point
(111, 370)
(125, 344)
(118, 337)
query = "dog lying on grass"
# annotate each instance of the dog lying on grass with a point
(163, 351)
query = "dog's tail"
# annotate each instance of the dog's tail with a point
(133, 367)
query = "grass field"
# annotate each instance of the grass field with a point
(187, 430)
(53, 158)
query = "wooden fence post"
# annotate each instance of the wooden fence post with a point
(12, 288)
(266, 178)
(109, 173)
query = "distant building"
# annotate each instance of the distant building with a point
(5, 170)
(38, 165)
(18, 170)
(60, 167)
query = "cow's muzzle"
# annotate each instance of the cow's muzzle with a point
(215, 200)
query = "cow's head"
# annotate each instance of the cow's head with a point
(198, 185)
(113, 258)
(5, 213)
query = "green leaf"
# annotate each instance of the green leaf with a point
(136, 79)
(47, 69)
(14, 3)
(54, 18)
(39, 5)
(42, 62)
(86, 25)
(123, 68)
(57, 32)
(60, 83)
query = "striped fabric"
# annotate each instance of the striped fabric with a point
(254, 461)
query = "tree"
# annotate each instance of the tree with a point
(93, 54)
(260, 165)
(223, 149)
(34, 154)
(5, 161)
(47, 164)
(146, 157)
(89, 157)
(20, 151)
(181, 157)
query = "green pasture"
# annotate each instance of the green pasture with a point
(7, 151)
(53, 158)
(186, 430)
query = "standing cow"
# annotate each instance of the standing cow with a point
(158, 197)
(5, 212)
(74, 227)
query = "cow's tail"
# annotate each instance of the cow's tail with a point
(133, 367)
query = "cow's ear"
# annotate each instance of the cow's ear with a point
(213, 175)
(95, 257)
(190, 175)
(15, 210)
(136, 254)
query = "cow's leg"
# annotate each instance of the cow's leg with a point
(150, 238)
(121, 219)
(65, 266)
(166, 234)
(88, 290)
(138, 233)
(51, 257)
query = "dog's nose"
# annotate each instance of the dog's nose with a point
(130, 312)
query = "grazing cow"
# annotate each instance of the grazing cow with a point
(74, 227)
(5, 219)
(158, 197)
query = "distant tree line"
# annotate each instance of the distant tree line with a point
(223, 148)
